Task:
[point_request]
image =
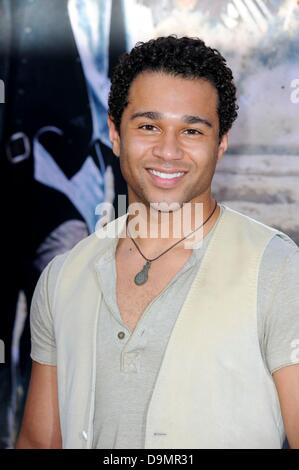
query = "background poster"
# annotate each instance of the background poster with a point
(56, 163)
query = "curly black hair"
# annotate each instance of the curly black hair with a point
(185, 57)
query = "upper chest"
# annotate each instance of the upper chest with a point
(133, 299)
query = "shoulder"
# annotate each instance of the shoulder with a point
(280, 254)
(235, 214)
(279, 271)
(253, 226)
(54, 269)
(79, 261)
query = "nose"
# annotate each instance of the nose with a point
(168, 147)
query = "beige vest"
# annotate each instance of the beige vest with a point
(213, 390)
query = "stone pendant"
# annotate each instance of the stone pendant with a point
(142, 276)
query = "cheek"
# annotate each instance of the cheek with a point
(129, 160)
(204, 155)
(135, 150)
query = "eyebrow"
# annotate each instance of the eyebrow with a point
(155, 116)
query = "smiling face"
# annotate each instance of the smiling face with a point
(168, 142)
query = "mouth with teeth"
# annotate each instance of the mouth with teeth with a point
(165, 179)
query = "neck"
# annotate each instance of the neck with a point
(155, 229)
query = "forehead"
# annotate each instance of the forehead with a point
(158, 91)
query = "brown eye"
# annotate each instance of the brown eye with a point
(192, 132)
(148, 127)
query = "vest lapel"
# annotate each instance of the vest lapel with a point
(76, 308)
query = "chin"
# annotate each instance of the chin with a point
(163, 206)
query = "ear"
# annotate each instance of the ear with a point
(114, 137)
(223, 145)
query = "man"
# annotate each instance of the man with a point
(147, 343)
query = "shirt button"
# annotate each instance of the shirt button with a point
(121, 335)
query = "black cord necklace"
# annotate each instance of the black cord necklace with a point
(142, 276)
